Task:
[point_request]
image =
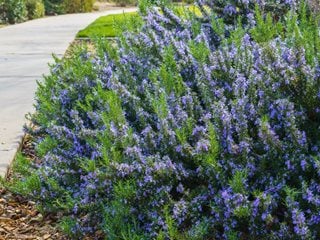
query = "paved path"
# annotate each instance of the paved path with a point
(25, 51)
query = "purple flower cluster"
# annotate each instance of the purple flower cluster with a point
(173, 130)
(230, 10)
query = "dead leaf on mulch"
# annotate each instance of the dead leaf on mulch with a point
(20, 220)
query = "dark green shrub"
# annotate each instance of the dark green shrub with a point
(88, 5)
(1, 11)
(74, 6)
(68, 6)
(14, 11)
(53, 7)
(35, 8)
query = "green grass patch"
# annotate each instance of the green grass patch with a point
(106, 26)
(111, 25)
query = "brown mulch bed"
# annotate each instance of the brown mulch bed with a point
(19, 217)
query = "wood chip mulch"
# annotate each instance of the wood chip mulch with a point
(19, 217)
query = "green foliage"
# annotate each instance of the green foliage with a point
(45, 146)
(67, 6)
(144, 5)
(125, 190)
(242, 212)
(232, 235)
(2, 13)
(184, 131)
(302, 31)
(21, 165)
(74, 6)
(67, 224)
(266, 27)
(116, 224)
(173, 232)
(199, 51)
(54, 7)
(238, 180)
(211, 157)
(13, 11)
(218, 26)
(291, 195)
(169, 74)
(29, 186)
(35, 8)
(160, 105)
(199, 231)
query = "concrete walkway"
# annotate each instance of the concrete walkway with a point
(25, 51)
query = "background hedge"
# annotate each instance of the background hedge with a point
(15, 11)
(35, 9)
